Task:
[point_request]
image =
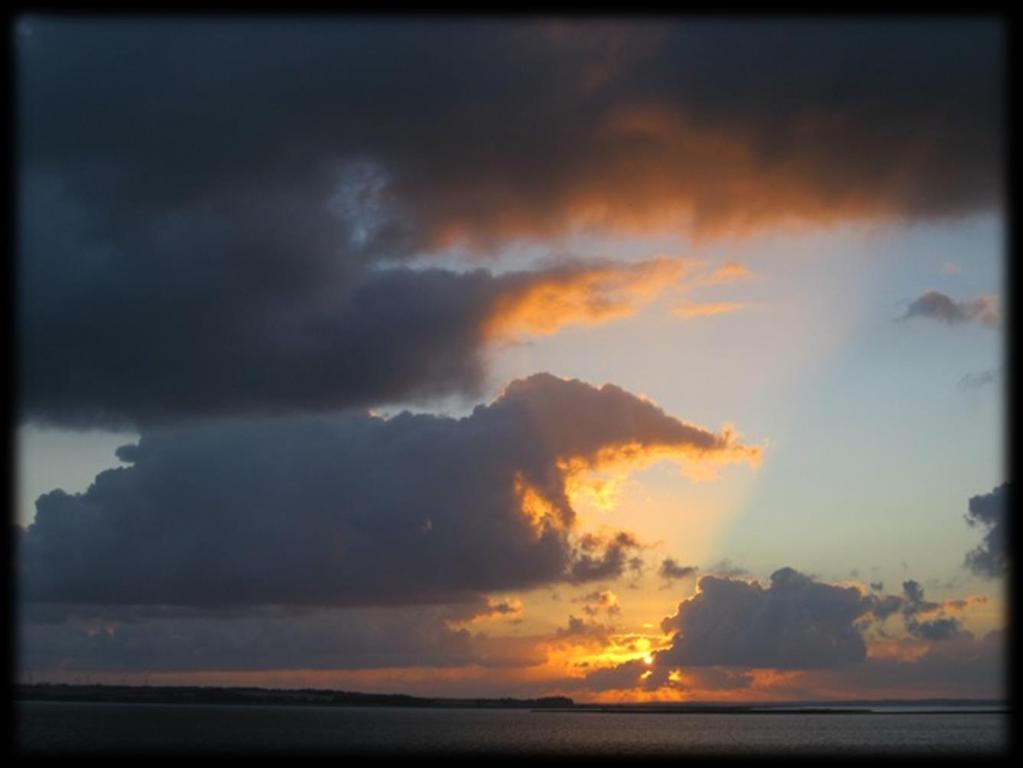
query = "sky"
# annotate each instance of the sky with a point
(622, 359)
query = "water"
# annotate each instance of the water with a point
(78, 727)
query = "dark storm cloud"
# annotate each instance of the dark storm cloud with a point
(351, 510)
(938, 306)
(200, 202)
(494, 125)
(393, 335)
(166, 359)
(794, 623)
(990, 510)
(255, 310)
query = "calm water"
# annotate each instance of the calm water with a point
(74, 727)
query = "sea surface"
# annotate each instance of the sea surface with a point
(73, 727)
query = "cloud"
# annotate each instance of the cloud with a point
(604, 557)
(982, 379)
(587, 632)
(619, 677)
(703, 310)
(914, 598)
(376, 336)
(185, 250)
(990, 559)
(802, 638)
(56, 640)
(958, 667)
(937, 306)
(913, 604)
(680, 124)
(543, 303)
(728, 272)
(726, 569)
(794, 623)
(352, 509)
(937, 629)
(671, 570)
(505, 608)
(601, 600)
(263, 639)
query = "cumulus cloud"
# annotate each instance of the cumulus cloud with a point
(352, 509)
(961, 666)
(735, 634)
(937, 306)
(990, 511)
(793, 623)
(185, 250)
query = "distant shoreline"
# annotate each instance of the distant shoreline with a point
(124, 694)
(772, 710)
(144, 694)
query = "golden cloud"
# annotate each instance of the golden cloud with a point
(584, 296)
(704, 310)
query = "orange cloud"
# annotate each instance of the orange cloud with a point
(543, 515)
(697, 462)
(544, 304)
(730, 271)
(605, 431)
(897, 649)
(661, 172)
(704, 310)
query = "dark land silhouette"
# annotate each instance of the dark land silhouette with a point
(146, 694)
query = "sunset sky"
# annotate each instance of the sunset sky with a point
(619, 359)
